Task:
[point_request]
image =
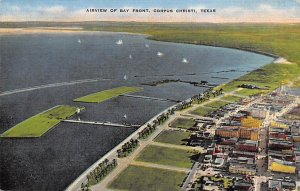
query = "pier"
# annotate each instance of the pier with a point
(20, 90)
(101, 123)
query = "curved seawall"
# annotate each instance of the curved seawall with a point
(76, 184)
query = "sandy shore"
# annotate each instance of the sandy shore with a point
(53, 30)
(12, 31)
(282, 60)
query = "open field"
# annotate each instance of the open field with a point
(183, 123)
(167, 156)
(39, 124)
(268, 77)
(231, 98)
(173, 137)
(250, 92)
(217, 104)
(107, 94)
(202, 111)
(137, 178)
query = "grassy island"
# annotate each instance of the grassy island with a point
(99, 97)
(39, 124)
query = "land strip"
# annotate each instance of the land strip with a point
(39, 124)
(107, 94)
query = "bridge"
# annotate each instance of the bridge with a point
(101, 123)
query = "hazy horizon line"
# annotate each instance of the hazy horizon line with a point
(157, 22)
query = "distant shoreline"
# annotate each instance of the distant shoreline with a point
(53, 30)
(15, 31)
(70, 30)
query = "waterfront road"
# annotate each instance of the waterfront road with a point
(125, 162)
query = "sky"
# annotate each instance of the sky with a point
(282, 11)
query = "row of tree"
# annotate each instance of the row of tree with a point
(98, 174)
(159, 120)
(217, 92)
(147, 131)
(184, 104)
(201, 97)
(127, 147)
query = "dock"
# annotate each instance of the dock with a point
(102, 123)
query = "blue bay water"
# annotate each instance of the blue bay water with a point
(57, 158)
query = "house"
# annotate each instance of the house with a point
(251, 122)
(248, 146)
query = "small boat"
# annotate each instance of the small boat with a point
(79, 41)
(125, 116)
(130, 57)
(119, 42)
(160, 54)
(125, 77)
(147, 45)
(184, 60)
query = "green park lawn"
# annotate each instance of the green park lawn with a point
(183, 123)
(138, 178)
(202, 111)
(216, 104)
(39, 124)
(107, 94)
(251, 92)
(168, 156)
(231, 98)
(173, 137)
(268, 77)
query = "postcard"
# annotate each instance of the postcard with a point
(149, 95)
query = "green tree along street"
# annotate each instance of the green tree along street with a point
(127, 148)
(99, 173)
